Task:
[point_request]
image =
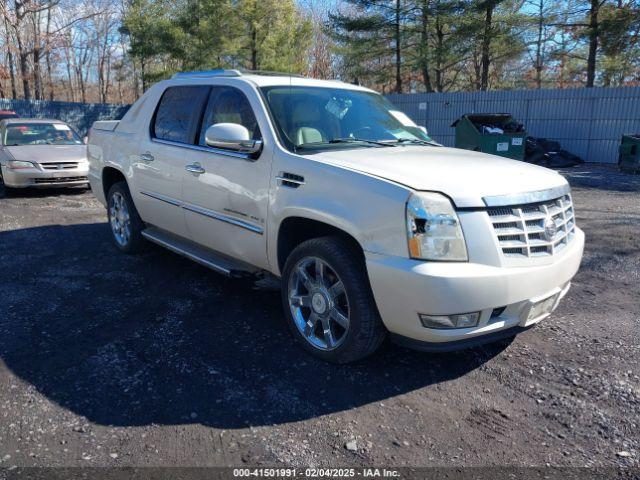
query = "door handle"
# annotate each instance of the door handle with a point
(195, 168)
(147, 157)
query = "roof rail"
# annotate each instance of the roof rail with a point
(208, 73)
(269, 73)
(220, 72)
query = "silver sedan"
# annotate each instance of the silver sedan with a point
(41, 153)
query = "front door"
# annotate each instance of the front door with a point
(225, 193)
(163, 154)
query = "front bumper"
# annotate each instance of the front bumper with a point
(404, 288)
(36, 177)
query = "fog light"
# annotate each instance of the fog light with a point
(461, 320)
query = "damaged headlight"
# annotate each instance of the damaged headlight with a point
(433, 229)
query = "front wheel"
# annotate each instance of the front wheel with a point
(328, 301)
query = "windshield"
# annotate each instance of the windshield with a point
(18, 134)
(316, 117)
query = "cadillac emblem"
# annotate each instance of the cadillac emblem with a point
(550, 229)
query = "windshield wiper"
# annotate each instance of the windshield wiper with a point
(415, 141)
(360, 140)
(312, 145)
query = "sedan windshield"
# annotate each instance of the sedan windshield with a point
(319, 118)
(18, 134)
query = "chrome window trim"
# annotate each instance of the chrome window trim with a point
(206, 212)
(199, 148)
(527, 197)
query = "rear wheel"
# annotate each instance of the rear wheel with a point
(328, 301)
(126, 225)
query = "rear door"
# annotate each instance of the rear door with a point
(163, 154)
(226, 202)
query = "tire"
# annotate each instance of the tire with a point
(4, 190)
(308, 301)
(124, 221)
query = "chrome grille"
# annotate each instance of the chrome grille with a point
(59, 165)
(521, 231)
(60, 180)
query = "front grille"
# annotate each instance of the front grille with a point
(526, 230)
(59, 165)
(60, 179)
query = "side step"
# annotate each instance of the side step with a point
(205, 257)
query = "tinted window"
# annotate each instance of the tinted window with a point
(229, 105)
(179, 113)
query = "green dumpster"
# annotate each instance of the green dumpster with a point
(495, 133)
(629, 159)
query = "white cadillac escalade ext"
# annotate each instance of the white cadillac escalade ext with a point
(373, 228)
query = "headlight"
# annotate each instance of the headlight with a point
(18, 164)
(433, 229)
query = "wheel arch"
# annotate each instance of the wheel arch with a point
(296, 229)
(110, 176)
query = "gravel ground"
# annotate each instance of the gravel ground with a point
(152, 360)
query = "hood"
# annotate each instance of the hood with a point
(465, 176)
(48, 153)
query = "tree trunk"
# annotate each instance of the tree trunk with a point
(12, 74)
(70, 62)
(48, 57)
(439, 50)
(593, 42)
(424, 47)
(24, 73)
(254, 47)
(253, 32)
(37, 76)
(143, 75)
(486, 46)
(538, 65)
(36, 54)
(398, 49)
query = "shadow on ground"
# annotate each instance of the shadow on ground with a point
(134, 340)
(39, 192)
(601, 177)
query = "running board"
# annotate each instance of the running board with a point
(205, 257)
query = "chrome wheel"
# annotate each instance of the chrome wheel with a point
(120, 219)
(318, 303)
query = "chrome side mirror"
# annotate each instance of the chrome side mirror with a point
(231, 136)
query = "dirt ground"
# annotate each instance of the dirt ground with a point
(152, 360)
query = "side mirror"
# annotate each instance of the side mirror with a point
(85, 140)
(231, 136)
